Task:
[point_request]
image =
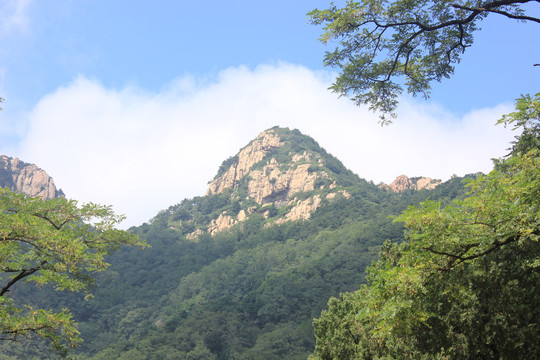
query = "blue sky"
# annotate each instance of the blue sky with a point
(150, 43)
(136, 103)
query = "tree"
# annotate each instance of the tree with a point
(465, 285)
(383, 44)
(51, 242)
(525, 118)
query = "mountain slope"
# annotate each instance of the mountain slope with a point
(240, 272)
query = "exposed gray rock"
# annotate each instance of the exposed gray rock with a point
(26, 178)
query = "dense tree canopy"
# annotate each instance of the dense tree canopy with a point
(55, 243)
(384, 45)
(526, 120)
(466, 284)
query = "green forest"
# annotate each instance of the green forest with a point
(442, 273)
(265, 266)
(251, 291)
(450, 271)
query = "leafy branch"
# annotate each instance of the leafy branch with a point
(51, 242)
(385, 46)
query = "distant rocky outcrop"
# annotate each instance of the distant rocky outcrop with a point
(301, 210)
(403, 183)
(26, 178)
(221, 223)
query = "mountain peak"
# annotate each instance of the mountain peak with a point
(26, 178)
(282, 175)
(278, 164)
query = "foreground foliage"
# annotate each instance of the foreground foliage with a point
(466, 284)
(387, 45)
(56, 243)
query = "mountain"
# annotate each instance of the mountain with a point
(403, 183)
(282, 175)
(26, 178)
(240, 272)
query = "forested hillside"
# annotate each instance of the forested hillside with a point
(288, 254)
(296, 228)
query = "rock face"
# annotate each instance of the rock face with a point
(246, 158)
(427, 183)
(274, 185)
(301, 210)
(26, 178)
(271, 182)
(403, 183)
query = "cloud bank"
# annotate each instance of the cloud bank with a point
(142, 152)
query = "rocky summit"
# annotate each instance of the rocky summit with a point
(26, 178)
(281, 171)
(403, 183)
(271, 182)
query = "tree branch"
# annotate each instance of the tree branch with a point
(22, 330)
(24, 273)
(458, 258)
(492, 7)
(57, 227)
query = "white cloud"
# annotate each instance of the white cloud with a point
(142, 152)
(14, 16)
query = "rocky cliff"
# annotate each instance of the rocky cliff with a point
(403, 183)
(26, 178)
(244, 161)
